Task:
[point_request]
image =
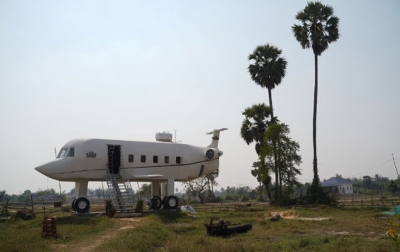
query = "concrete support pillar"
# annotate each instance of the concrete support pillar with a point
(170, 187)
(163, 191)
(155, 188)
(81, 187)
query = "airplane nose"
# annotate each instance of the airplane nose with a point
(42, 169)
(48, 168)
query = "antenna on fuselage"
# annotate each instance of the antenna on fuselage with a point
(55, 152)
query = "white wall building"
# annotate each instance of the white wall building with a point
(338, 185)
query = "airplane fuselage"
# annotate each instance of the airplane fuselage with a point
(89, 159)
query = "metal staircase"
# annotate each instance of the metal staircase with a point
(119, 185)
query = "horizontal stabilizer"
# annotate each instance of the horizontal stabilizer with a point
(216, 130)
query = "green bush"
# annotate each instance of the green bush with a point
(217, 199)
(228, 197)
(245, 198)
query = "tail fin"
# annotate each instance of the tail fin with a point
(215, 137)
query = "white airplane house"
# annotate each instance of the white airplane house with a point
(120, 162)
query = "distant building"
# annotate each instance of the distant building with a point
(338, 185)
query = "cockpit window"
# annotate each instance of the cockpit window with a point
(62, 153)
(71, 152)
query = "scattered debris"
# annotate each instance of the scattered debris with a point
(394, 211)
(223, 228)
(25, 214)
(187, 208)
(276, 217)
(291, 214)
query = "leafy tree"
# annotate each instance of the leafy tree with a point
(268, 68)
(392, 187)
(3, 195)
(197, 187)
(145, 191)
(367, 182)
(319, 28)
(287, 158)
(46, 192)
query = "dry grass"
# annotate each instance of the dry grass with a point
(345, 230)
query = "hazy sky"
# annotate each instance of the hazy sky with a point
(129, 69)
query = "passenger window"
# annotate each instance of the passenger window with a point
(178, 160)
(71, 152)
(155, 159)
(143, 158)
(166, 159)
(130, 158)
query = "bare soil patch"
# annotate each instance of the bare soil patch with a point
(293, 214)
(89, 244)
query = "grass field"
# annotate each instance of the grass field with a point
(344, 230)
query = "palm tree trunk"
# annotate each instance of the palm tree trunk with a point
(270, 103)
(315, 167)
(273, 142)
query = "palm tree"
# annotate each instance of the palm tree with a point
(211, 181)
(319, 28)
(256, 121)
(268, 69)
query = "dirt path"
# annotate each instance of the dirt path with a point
(85, 246)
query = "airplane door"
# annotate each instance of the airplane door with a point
(114, 158)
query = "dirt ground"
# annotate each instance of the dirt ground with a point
(84, 246)
(292, 214)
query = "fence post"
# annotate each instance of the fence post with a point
(220, 207)
(361, 203)
(32, 202)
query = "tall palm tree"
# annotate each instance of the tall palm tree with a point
(319, 28)
(268, 68)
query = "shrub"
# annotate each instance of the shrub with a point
(245, 198)
(24, 214)
(217, 199)
(228, 197)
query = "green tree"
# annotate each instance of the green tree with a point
(145, 191)
(256, 121)
(211, 177)
(367, 182)
(262, 172)
(268, 68)
(392, 187)
(3, 195)
(287, 158)
(197, 188)
(319, 28)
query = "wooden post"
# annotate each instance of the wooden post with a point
(32, 202)
(220, 207)
(361, 203)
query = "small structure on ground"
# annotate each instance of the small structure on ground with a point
(338, 185)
